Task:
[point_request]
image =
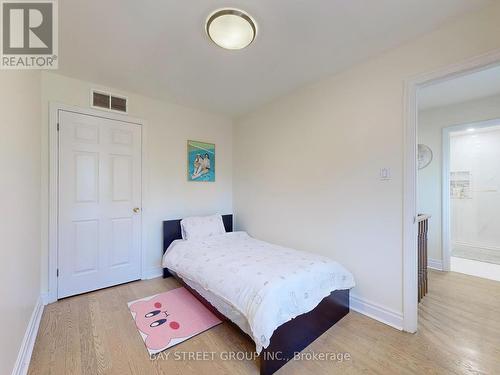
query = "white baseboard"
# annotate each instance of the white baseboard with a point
(45, 298)
(377, 312)
(476, 245)
(435, 264)
(474, 268)
(26, 349)
(153, 273)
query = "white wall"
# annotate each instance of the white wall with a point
(306, 166)
(430, 126)
(169, 195)
(20, 202)
(475, 220)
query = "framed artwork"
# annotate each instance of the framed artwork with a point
(201, 161)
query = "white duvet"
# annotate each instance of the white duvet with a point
(267, 284)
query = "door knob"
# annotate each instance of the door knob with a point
(136, 210)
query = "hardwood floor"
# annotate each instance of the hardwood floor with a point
(459, 333)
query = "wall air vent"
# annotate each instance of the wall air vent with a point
(108, 101)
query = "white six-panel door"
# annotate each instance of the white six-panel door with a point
(99, 227)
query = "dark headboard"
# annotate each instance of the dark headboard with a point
(172, 230)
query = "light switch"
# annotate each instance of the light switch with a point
(385, 174)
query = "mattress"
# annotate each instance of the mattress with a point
(258, 285)
(222, 306)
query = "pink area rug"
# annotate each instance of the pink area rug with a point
(169, 318)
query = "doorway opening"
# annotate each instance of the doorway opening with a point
(459, 172)
(471, 196)
(456, 82)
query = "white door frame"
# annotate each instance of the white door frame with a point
(445, 198)
(412, 85)
(54, 109)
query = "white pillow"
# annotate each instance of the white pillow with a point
(197, 227)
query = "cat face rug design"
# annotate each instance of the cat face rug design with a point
(170, 318)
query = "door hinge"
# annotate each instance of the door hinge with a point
(57, 126)
(57, 272)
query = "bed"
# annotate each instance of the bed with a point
(283, 299)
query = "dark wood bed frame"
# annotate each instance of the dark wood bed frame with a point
(291, 337)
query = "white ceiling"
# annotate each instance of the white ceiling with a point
(458, 90)
(159, 48)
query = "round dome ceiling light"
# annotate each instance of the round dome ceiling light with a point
(231, 28)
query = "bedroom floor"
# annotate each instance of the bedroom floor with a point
(459, 332)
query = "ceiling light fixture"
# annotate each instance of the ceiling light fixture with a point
(231, 28)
